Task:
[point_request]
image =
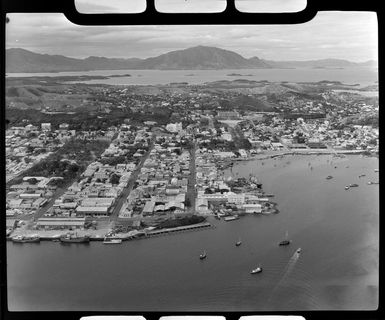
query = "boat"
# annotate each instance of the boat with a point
(299, 250)
(376, 170)
(285, 242)
(256, 270)
(329, 177)
(353, 185)
(361, 175)
(26, 239)
(70, 238)
(203, 255)
(347, 187)
(373, 182)
(238, 243)
(111, 240)
(231, 218)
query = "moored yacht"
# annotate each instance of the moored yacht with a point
(256, 270)
(26, 239)
(203, 255)
(112, 240)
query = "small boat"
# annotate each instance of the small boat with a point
(373, 182)
(376, 170)
(347, 187)
(26, 239)
(203, 255)
(329, 177)
(111, 240)
(285, 242)
(238, 243)
(352, 185)
(256, 270)
(231, 218)
(299, 250)
(361, 175)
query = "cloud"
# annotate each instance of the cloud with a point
(329, 34)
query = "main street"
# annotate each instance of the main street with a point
(131, 182)
(191, 186)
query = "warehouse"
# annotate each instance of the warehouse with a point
(60, 223)
(92, 211)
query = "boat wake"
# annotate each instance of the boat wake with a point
(295, 283)
(286, 272)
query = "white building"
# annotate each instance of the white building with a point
(237, 198)
(46, 126)
(174, 127)
(252, 207)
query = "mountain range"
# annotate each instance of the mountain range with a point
(195, 58)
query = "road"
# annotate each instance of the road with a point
(191, 188)
(130, 184)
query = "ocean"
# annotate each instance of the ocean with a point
(337, 230)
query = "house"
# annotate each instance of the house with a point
(202, 205)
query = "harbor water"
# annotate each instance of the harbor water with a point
(352, 75)
(336, 229)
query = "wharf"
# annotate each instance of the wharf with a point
(133, 235)
(179, 229)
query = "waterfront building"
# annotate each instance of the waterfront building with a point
(252, 207)
(61, 223)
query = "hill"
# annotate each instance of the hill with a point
(200, 57)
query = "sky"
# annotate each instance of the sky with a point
(342, 35)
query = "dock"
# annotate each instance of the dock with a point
(132, 235)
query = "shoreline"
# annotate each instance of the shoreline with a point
(124, 237)
(99, 235)
(299, 152)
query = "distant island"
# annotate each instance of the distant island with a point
(119, 75)
(239, 75)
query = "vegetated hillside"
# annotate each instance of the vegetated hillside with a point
(20, 60)
(201, 57)
(247, 102)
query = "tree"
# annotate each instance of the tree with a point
(114, 179)
(32, 181)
